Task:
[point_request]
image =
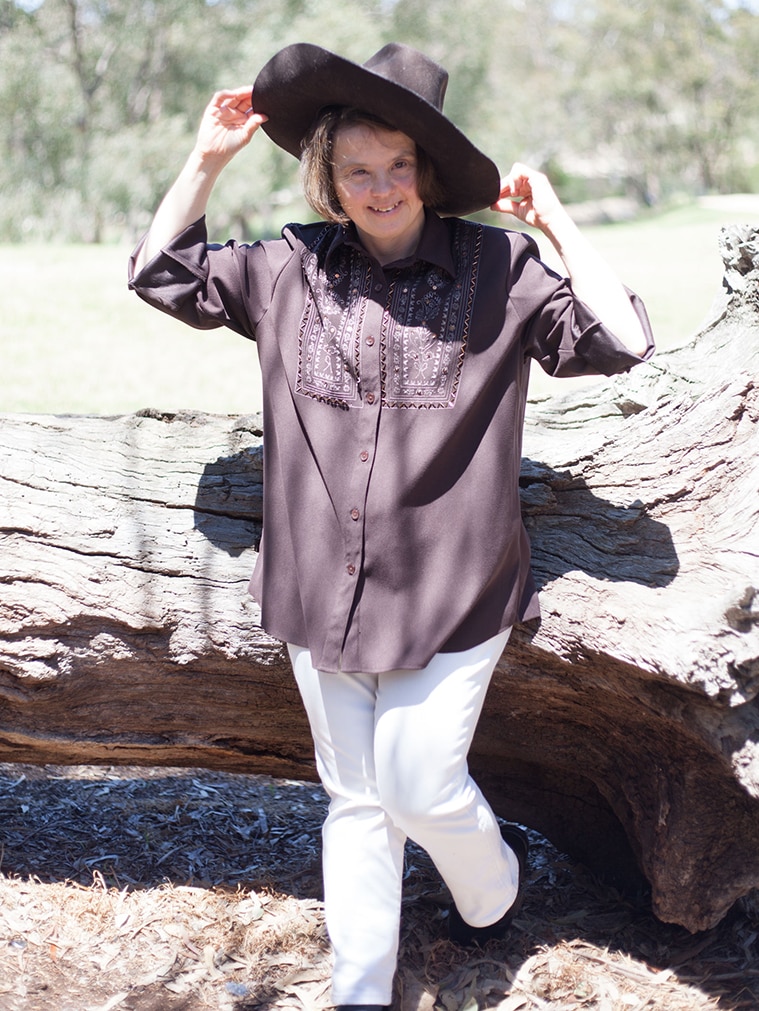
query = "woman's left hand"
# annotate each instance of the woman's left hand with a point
(529, 196)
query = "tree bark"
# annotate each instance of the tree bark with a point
(625, 727)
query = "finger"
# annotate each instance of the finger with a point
(239, 106)
(507, 205)
(520, 170)
(520, 178)
(233, 94)
(252, 110)
(507, 184)
(259, 118)
(508, 199)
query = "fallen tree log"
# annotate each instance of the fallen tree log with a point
(625, 728)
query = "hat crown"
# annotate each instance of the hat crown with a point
(412, 70)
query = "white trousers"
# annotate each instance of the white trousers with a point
(391, 752)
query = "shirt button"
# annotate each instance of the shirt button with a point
(355, 514)
(351, 570)
(378, 287)
(363, 456)
(370, 398)
(370, 342)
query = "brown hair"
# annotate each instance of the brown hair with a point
(316, 162)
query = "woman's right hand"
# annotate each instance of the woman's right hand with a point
(227, 126)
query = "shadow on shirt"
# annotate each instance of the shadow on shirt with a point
(570, 527)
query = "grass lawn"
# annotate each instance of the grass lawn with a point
(74, 340)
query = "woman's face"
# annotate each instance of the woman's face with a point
(374, 173)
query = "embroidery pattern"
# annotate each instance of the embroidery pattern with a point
(427, 329)
(425, 326)
(330, 329)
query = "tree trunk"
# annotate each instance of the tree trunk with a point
(624, 728)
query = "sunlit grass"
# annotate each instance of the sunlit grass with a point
(73, 339)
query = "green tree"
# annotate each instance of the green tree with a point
(88, 82)
(101, 97)
(665, 92)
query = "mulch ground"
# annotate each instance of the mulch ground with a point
(184, 890)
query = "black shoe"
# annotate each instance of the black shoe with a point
(363, 1007)
(461, 932)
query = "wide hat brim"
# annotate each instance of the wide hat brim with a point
(302, 79)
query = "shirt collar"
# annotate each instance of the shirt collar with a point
(434, 246)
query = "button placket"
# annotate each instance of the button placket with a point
(372, 328)
(366, 435)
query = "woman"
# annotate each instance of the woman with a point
(395, 340)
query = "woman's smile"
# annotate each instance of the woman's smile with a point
(374, 173)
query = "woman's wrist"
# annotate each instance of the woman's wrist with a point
(561, 231)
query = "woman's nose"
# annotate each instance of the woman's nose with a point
(381, 182)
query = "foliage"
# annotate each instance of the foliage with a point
(101, 97)
(669, 92)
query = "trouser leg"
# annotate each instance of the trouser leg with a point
(362, 848)
(391, 751)
(425, 723)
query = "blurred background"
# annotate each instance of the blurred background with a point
(644, 115)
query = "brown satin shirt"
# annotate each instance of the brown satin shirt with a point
(394, 401)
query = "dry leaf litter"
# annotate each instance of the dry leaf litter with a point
(184, 890)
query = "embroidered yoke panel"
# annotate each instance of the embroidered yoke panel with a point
(425, 329)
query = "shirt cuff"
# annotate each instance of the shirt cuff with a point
(602, 349)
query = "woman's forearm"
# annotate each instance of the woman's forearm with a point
(184, 203)
(594, 281)
(226, 127)
(529, 196)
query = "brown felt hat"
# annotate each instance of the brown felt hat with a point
(399, 84)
